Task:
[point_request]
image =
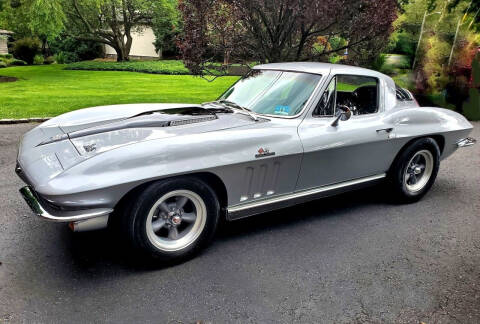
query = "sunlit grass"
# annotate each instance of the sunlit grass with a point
(49, 90)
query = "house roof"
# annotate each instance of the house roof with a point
(6, 32)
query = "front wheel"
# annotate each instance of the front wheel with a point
(415, 169)
(173, 219)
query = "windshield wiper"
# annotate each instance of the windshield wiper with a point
(237, 106)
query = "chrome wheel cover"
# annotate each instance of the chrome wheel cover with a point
(418, 171)
(176, 220)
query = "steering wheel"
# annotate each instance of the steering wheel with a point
(345, 107)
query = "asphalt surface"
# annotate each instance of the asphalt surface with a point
(355, 258)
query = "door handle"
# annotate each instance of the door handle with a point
(385, 130)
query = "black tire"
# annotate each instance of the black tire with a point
(134, 219)
(399, 181)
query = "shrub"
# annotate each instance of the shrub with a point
(26, 48)
(3, 64)
(18, 62)
(49, 60)
(76, 50)
(156, 67)
(38, 60)
(378, 62)
(60, 58)
(66, 57)
(6, 56)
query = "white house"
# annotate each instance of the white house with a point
(142, 45)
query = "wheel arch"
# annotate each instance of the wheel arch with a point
(439, 139)
(210, 178)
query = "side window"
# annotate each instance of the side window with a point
(358, 93)
(326, 106)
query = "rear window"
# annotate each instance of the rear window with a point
(403, 95)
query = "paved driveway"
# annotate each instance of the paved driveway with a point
(353, 258)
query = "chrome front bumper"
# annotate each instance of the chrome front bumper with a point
(465, 142)
(60, 216)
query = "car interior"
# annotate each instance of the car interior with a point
(357, 93)
(362, 101)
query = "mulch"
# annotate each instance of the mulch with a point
(7, 79)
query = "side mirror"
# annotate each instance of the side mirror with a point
(346, 114)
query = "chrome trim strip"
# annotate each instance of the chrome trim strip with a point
(68, 216)
(304, 193)
(465, 142)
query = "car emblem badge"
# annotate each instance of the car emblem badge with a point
(90, 148)
(263, 152)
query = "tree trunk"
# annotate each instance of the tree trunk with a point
(226, 57)
(122, 54)
(123, 48)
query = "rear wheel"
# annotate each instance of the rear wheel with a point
(415, 170)
(172, 219)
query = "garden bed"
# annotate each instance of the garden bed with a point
(168, 67)
(7, 79)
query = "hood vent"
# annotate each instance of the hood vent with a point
(192, 121)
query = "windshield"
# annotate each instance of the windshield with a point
(273, 92)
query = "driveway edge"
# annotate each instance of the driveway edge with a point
(23, 120)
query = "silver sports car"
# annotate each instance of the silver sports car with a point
(282, 135)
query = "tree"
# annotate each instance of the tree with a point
(282, 30)
(166, 26)
(471, 108)
(38, 18)
(110, 22)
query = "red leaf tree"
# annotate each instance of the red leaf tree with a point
(282, 30)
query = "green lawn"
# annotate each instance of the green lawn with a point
(49, 90)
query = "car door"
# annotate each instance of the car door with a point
(356, 148)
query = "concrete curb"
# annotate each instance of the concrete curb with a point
(23, 120)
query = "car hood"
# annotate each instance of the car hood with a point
(66, 140)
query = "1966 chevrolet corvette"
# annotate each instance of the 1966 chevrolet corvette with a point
(284, 134)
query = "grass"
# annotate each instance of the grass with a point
(49, 90)
(156, 67)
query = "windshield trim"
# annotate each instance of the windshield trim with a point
(319, 84)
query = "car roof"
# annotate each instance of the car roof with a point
(318, 68)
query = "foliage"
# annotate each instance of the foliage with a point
(110, 22)
(155, 67)
(49, 90)
(26, 49)
(6, 56)
(38, 60)
(402, 42)
(49, 60)
(467, 6)
(3, 64)
(166, 26)
(61, 58)
(18, 62)
(40, 18)
(285, 30)
(471, 108)
(76, 50)
(444, 55)
(379, 62)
